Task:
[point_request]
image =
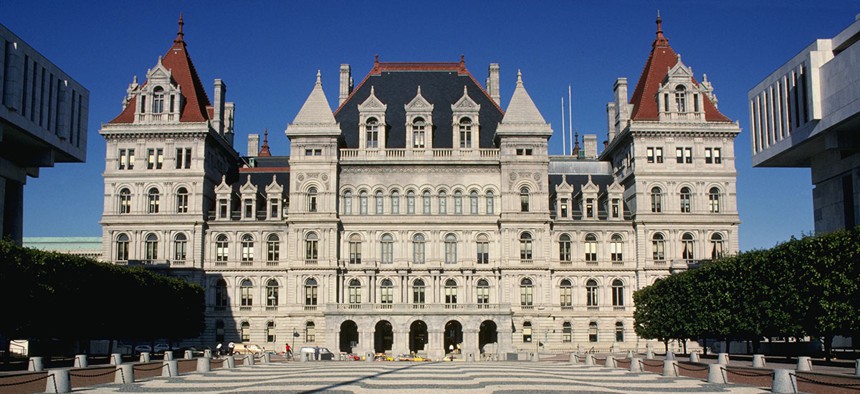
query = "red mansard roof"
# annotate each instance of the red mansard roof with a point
(184, 74)
(661, 59)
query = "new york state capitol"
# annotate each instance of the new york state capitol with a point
(419, 215)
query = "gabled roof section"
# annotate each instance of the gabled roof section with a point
(178, 61)
(315, 110)
(661, 59)
(522, 115)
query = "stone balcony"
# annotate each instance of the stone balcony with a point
(418, 155)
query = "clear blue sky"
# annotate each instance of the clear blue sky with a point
(268, 53)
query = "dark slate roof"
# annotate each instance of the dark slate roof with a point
(601, 181)
(396, 84)
(264, 168)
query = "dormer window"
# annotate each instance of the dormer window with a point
(418, 126)
(372, 133)
(681, 98)
(465, 133)
(158, 100)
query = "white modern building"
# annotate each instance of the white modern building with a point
(806, 114)
(43, 120)
(419, 215)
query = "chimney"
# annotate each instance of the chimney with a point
(493, 83)
(218, 116)
(589, 146)
(623, 110)
(345, 83)
(611, 113)
(253, 144)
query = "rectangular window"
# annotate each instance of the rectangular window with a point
(180, 250)
(222, 209)
(649, 155)
(563, 207)
(483, 252)
(658, 155)
(273, 208)
(150, 159)
(708, 158)
(355, 252)
(309, 152)
(684, 155)
(717, 156)
(679, 155)
(249, 208)
(616, 208)
(126, 159)
(183, 158)
(688, 155)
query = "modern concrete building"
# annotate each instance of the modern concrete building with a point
(419, 215)
(43, 120)
(78, 246)
(807, 114)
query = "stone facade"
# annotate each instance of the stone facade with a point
(418, 215)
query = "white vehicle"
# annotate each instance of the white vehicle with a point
(317, 353)
(161, 348)
(142, 348)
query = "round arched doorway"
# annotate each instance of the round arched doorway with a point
(417, 336)
(453, 336)
(488, 335)
(348, 336)
(383, 337)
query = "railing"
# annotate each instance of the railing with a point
(155, 117)
(310, 307)
(271, 308)
(408, 308)
(419, 154)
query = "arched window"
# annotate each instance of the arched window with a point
(617, 293)
(354, 291)
(465, 133)
(524, 199)
(527, 331)
(418, 249)
(714, 200)
(688, 247)
(418, 125)
(590, 248)
(311, 247)
(347, 202)
(473, 202)
(124, 201)
(566, 291)
(526, 292)
(685, 200)
(483, 292)
(222, 248)
(619, 332)
(656, 199)
(591, 295)
(450, 249)
(312, 199)
(221, 299)
(310, 332)
(181, 200)
(311, 292)
(658, 247)
(717, 246)
(355, 249)
(616, 247)
(273, 248)
(387, 249)
(458, 202)
(362, 202)
(592, 332)
(566, 332)
(525, 247)
(380, 202)
(564, 246)
(425, 199)
(180, 247)
(122, 247)
(151, 244)
(272, 293)
(372, 133)
(270, 332)
(450, 291)
(153, 198)
(395, 202)
(247, 248)
(418, 291)
(158, 100)
(483, 248)
(410, 202)
(386, 292)
(681, 98)
(443, 202)
(246, 293)
(246, 331)
(490, 203)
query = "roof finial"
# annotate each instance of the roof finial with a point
(661, 39)
(180, 36)
(319, 80)
(264, 150)
(519, 77)
(375, 59)
(419, 90)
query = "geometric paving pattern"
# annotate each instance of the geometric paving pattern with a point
(427, 377)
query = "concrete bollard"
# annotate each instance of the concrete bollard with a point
(574, 359)
(670, 368)
(857, 367)
(207, 353)
(204, 364)
(635, 364)
(723, 359)
(370, 357)
(249, 359)
(267, 358)
(230, 361)
(758, 361)
(694, 357)
(629, 354)
(115, 359)
(81, 361)
(59, 382)
(670, 355)
(784, 382)
(649, 354)
(36, 364)
(535, 356)
(589, 359)
(170, 368)
(144, 357)
(124, 374)
(717, 374)
(304, 358)
(610, 362)
(168, 355)
(188, 355)
(804, 363)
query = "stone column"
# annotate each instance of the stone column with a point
(470, 343)
(434, 343)
(401, 341)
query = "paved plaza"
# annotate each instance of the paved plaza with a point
(428, 377)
